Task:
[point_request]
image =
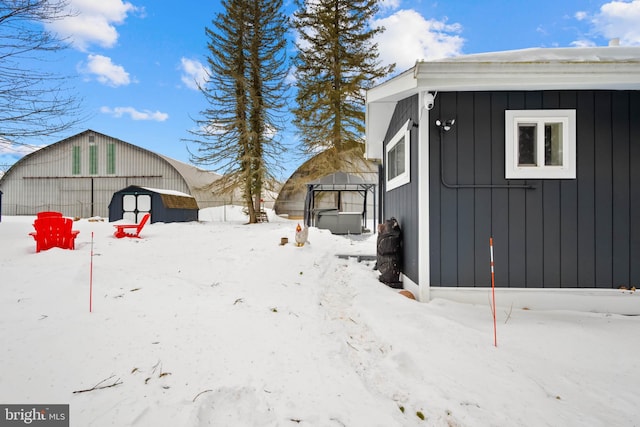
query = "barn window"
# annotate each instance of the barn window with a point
(111, 159)
(397, 158)
(93, 159)
(75, 162)
(540, 144)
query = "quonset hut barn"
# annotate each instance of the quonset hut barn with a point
(79, 175)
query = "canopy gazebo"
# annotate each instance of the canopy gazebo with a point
(343, 214)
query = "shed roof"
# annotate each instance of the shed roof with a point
(170, 198)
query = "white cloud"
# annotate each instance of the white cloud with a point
(389, 4)
(583, 43)
(106, 72)
(193, 73)
(93, 22)
(615, 19)
(409, 37)
(8, 148)
(581, 15)
(134, 114)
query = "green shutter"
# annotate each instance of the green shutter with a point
(75, 167)
(111, 159)
(93, 160)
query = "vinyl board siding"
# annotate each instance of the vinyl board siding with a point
(482, 174)
(568, 224)
(467, 198)
(621, 188)
(449, 231)
(586, 179)
(551, 235)
(603, 189)
(402, 202)
(564, 233)
(634, 190)
(498, 102)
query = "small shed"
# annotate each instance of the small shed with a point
(133, 202)
(345, 210)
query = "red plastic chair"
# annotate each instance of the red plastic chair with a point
(54, 232)
(120, 228)
(49, 213)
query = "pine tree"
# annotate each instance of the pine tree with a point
(245, 90)
(336, 62)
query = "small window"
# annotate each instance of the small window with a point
(93, 160)
(75, 164)
(540, 144)
(111, 159)
(397, 158)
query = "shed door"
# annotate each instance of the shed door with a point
(134, 206)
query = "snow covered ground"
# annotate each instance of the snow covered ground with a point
(215, 323)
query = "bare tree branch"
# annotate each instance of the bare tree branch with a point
(33, 101)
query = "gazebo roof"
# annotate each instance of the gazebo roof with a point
(340, 181)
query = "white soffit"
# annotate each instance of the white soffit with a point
(378, 117)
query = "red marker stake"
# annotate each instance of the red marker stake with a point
(91, 278)
(493, 294)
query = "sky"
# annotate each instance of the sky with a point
(135, 63)
(183, 335)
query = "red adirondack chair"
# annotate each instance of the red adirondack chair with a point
(120, 228)
(49, 213)
(54, 232)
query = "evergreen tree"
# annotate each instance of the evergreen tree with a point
(245, 89)
(336, 62)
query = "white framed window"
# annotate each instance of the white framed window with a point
(397, 158)
(540, 144)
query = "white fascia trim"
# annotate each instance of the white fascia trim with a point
(467, 76)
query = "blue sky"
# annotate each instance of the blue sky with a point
(134, 63)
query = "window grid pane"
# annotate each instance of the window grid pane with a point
(93, 160)
(527, 146)
(553, 144)
(75, 163)
(111, 158)
(395, 159)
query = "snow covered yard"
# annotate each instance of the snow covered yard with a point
(217, 324)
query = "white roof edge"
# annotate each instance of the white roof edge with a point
(614, 67)
(592, 68)
(599, 54)
(168, 192)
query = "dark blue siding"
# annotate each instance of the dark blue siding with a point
(564, 233)
(402, 202)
